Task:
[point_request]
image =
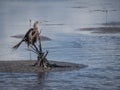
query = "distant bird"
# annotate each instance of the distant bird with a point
(30, 37)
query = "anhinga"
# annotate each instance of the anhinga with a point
(30, 37)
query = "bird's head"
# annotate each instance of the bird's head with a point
(36, 22)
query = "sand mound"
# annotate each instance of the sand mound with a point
(27, 66)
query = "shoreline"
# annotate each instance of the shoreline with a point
(102, 30)
(27, 66)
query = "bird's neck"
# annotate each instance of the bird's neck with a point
(35, 28)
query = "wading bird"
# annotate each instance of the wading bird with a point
(30, 37)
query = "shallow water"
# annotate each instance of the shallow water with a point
(60, 21)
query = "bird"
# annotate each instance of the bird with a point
(30, 37)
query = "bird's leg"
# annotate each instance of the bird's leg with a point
(36, 48)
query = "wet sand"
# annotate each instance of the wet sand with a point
(27, 66)
(102, 30)
(111, 23)
(43, 38)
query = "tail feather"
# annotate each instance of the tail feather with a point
(17, 45)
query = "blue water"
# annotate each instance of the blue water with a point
(61, 20)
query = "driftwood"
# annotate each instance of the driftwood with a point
(41, 58)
